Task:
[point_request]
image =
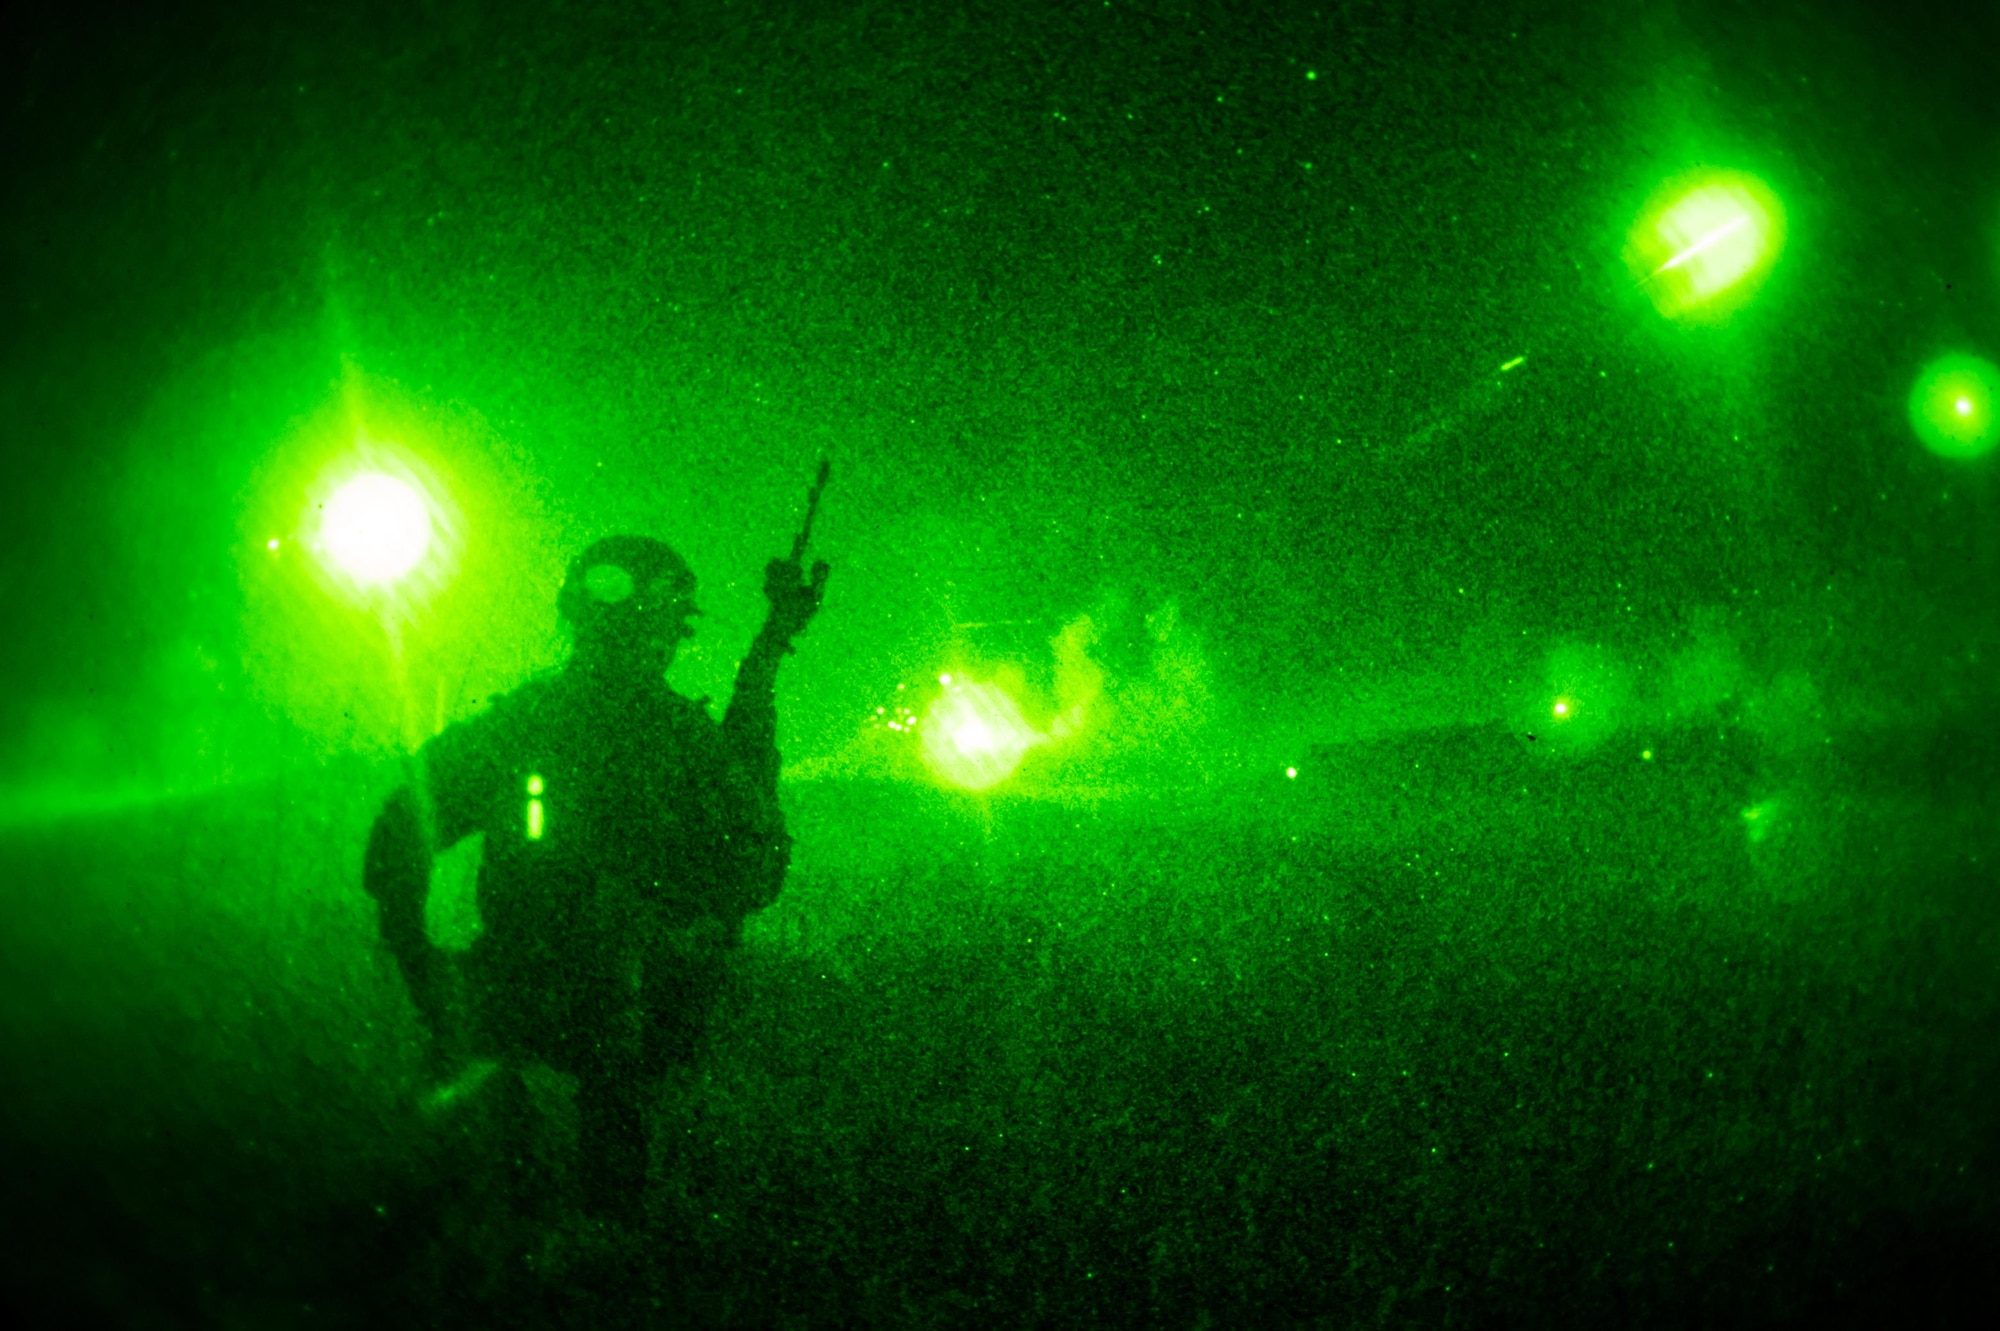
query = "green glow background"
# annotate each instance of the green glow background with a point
(1188, 320)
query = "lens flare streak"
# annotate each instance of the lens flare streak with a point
(1707, 242)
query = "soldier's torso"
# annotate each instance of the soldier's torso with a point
(591, 807)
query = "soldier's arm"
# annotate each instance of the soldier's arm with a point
(756, 850)
(396, 872)
(440, 806)
(750, 726)
(759, 850)
(750, 734)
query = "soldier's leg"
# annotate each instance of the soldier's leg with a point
(611, 1124)
(528, 1147)
(611, 1107)
(681, 991)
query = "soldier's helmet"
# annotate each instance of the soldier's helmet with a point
(623, 583)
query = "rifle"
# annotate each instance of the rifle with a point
(812, 511)
(787, 597)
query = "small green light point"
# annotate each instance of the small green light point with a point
(535, 785)
(443, 1098)
(1758, 820)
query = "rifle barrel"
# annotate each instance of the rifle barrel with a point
(812, 510)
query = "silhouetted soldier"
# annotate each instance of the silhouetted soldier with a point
(627, 837)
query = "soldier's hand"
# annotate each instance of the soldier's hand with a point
(794, 598)
(427, 975)
(431, 982)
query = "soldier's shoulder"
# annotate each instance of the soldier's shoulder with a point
(497, 715)
(531, 698)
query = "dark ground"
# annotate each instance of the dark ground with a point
(1299, 1056)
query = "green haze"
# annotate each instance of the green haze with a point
(1404, 729)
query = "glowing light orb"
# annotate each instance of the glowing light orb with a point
(1705, 242)
(1952, 406)
(375, 528)
(1562, 709)
(974, 735)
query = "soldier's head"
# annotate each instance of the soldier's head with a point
(627, 601)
